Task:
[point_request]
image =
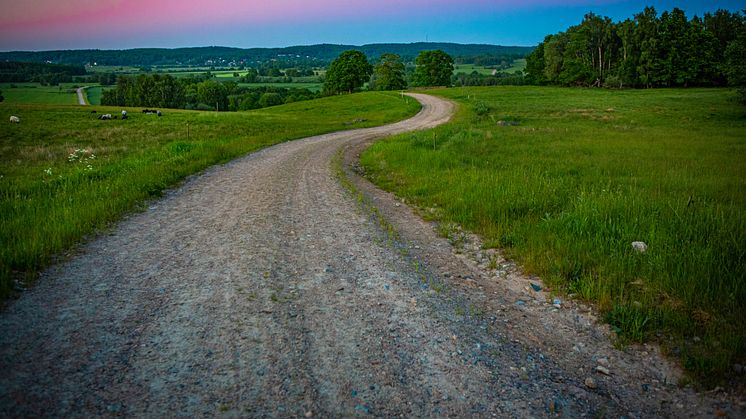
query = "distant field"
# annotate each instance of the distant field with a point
(94, 94)
(113, 69)
(518, 65)
(64, 173)
(573, 176)
(36, 93)
(314, 87)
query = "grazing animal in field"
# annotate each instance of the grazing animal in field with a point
(105, 117)
(158, 113)
(124, 113)
(15, 120)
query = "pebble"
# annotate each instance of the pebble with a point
(590, 383)
(557, 303)
(603, 361)
(536, 287)
(603, 370)
(309, 414)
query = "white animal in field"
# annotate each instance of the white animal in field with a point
(124, 114)
(15, 120)
(106, 116)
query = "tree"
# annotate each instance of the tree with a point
(270, 99)
(214, 94)
(389, 73)
(735, 63)
(434, 68)
(535, 65)
(348, 72)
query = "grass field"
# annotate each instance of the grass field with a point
(314, 87)
(518, 65)
(64, 174)
(580, 176)
(64, 94)
(94, 94)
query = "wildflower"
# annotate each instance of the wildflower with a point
(48, 171)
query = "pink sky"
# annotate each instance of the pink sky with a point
(47, 24)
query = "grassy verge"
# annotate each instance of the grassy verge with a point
(94, 94)
(64, 94)
(567, 179)
(64, 173)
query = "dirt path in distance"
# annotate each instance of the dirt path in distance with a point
(81, 95)
(265, 288)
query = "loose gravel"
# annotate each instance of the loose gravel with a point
(265, 288)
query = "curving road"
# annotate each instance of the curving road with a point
(263, 288)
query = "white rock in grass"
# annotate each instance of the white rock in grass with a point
(640, 247)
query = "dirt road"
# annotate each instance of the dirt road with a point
(81, 95)
(265, 288)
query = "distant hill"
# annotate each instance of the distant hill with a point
(320, 54)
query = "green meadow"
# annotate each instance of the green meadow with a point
(93, 94)
(26, 92)
(64, 174)
(518, 65)
(566, 179)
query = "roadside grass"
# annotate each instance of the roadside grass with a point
(580, 175)
(26, 92)
(94, 94)
(65, 174)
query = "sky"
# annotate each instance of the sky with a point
(121, 24)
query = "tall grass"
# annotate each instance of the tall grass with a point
(64, 174)
(571, 177)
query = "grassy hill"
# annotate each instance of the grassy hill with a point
(566, 179)
(64, 173)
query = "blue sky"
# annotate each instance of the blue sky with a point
(115, 24)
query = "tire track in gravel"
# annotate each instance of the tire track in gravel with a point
(263, 288)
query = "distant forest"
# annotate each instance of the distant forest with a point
(296, 56)
(646, 51)
(38, 72)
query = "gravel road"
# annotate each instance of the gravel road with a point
(81, 95)
(265, 288)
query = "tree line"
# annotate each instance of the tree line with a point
(197, 93)
(294, 56)
(52, 74)
(648, 50)
(352, 70)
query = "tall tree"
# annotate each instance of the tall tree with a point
(348, 72)
(646, 36)
(389, 73)
(535, 65)
(554, 52)
(735, 63)
(434, 68)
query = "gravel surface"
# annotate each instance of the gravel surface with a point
(265, 288)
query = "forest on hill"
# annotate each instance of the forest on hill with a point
(307, 55)
(648, 50)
